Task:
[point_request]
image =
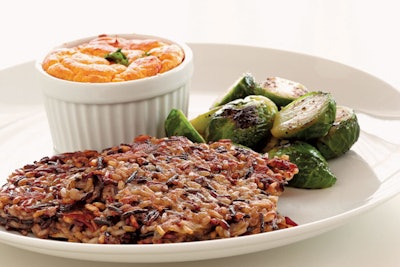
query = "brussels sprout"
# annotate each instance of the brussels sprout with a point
(176, 124)
(281, 91)
(314, 171)
(341, 136)
(245, 121)
(200, 122)
(241, 88)
(309, 116)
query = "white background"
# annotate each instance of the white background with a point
(363, 34)
(360, 33)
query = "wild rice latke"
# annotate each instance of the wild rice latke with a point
(163, 190)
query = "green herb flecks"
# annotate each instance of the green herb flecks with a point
(117, 57)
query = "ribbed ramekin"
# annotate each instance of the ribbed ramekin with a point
(95, 116)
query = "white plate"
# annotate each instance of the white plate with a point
(367, 175)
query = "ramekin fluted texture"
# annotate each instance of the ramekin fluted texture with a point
(100, 115)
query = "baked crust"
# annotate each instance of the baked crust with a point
(87, 62)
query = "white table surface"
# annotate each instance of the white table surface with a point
(362, 34)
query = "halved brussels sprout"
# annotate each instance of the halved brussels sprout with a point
(341, 136)
(241, 88)
(281, 91)
(245, 121)
(309, 116)
(176, 124)
(314, 171)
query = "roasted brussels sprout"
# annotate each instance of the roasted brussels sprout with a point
(177, 124)
(245, 121)
(341, 136)
(281, 91)
(241, 88)
(314, 171)
(309, 116)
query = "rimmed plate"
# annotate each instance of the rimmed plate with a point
(367, 175)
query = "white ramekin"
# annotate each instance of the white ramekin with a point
(100, 115)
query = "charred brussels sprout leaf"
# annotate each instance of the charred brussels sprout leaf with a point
(245, 121)
(314, 171)
(200, 122)
(241, 88)
(273, 142)
(117, 57)
(307, 117)
(341, 136)
(281, 91)
(177, 124)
